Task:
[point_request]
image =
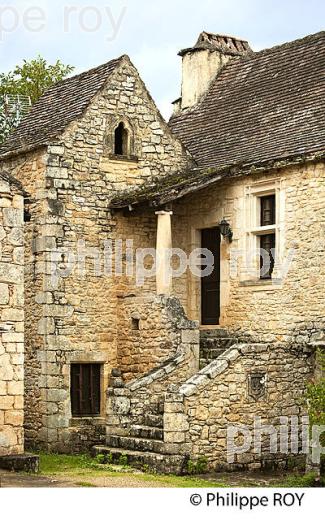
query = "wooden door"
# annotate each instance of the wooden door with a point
(210, 285)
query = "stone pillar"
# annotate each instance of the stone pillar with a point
(163, 247)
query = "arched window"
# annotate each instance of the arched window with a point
(121, 144)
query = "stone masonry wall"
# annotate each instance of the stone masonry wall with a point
(11, 317)
(141, 402)
(150, 332)
(30, 170)
(274, 311)
(76, 315)
(222, 395)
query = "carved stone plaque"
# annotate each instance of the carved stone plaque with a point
(257, 385)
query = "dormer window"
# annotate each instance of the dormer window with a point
(121, 144)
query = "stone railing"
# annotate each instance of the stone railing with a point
(248, 383)
(141, 402)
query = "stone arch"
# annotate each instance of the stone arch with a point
(120, 139)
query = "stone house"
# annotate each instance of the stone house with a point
(120, 352)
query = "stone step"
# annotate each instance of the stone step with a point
(223, 343)
(215, 333)
(25, 462)
(146, 432)
(136, 443)
(213, 353)
(156, 421)
(154, 408)
(157, 462)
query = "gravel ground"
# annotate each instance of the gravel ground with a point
(16, 480)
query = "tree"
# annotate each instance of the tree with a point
(23, 86)
(33, 78)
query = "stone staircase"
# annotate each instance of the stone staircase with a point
(141, 441)
(143, 444)
(213, 343)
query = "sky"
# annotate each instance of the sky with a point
(86, 33)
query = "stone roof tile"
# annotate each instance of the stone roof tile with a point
(59, 106)
(266, 105)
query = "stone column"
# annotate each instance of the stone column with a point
(163, 247)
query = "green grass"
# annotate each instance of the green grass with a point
(84, 467)
(85, 484)
(53, 464)
(300, 481)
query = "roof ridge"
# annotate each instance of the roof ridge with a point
(286, 45)
(85, 72)
(260, 107)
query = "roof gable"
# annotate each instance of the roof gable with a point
(59, 106)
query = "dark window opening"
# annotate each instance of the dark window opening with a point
(267, 260)
(135, 324)
(85, 389)
(267, 242)
(268, 210)
(210, 284)
(27, 215)
(121, 140)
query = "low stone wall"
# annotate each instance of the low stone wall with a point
(248, 382)
(11, 317)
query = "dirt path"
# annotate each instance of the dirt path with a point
(17, 480)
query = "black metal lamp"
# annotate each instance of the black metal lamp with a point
(225, 230)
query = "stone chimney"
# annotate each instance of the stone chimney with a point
(203, 62)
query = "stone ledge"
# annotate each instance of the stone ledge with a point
(210, 372)
(26, 462)
(160, 372)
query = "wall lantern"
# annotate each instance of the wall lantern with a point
(225, 230)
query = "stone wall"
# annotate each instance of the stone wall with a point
(150, 332)
(223, 395)
(74, 318)
(295, 304)
(30, 170)
(11, 317)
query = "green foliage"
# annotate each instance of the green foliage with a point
(300, 481)
(100, 458)
(23, 86)
(199, 466)
(104, 458)
(123, 460)
(11, 112)
(83, 468)
(32, 78)
(316, 397)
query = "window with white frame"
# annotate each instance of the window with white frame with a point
(264, 229)
(267, 238)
